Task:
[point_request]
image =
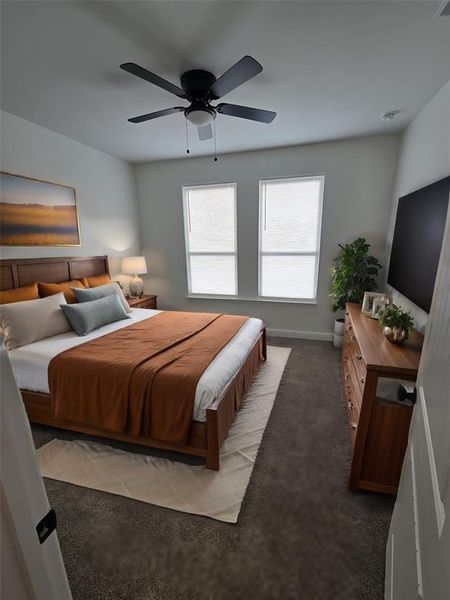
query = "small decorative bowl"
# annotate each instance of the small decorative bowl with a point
(395, 334)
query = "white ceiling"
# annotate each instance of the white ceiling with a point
(330, 68)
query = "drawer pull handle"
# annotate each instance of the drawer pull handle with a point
(362, 380)
(354, 426)
(358, 357)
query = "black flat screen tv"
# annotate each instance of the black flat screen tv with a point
(417, 242)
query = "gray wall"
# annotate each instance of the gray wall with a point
(105, 189)
(424, 157)
(359, 179)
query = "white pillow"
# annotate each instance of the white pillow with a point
(32, 320)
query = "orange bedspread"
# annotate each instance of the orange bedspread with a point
(140, 379)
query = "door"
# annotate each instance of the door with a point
(29, 570)
(418, 549)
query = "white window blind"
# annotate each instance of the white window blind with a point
(290, 215)
(210, 232)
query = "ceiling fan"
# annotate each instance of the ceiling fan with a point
(200, 88)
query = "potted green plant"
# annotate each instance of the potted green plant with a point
(396, 323)
(356, 272)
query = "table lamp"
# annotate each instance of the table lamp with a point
(135, 265)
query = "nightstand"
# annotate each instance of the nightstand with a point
(144, 301)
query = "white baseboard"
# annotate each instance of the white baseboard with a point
(302, 335)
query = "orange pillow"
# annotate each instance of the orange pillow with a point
(97, 280)
(49, 289)
(26, 292)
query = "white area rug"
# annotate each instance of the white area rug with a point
(192, 489)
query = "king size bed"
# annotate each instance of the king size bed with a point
(162, 379)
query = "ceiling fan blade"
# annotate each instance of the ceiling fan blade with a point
(135, 69)
(155, 115)
(205, 132)
(246, 112)
(238, 74)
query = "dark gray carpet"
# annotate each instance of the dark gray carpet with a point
(301, 534)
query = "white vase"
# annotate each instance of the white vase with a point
(339, 326)
(338, 340)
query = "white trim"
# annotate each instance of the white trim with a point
(293, 177)
(250, 299)
(208, 184)
(392, 568)
(186, 222)
(438, 504)
(316, 253)
(416, 524)
(301, 335)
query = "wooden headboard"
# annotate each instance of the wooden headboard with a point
(16, 272)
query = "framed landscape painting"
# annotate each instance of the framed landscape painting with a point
(37, 213)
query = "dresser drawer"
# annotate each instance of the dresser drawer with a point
(353, 398)
(357, 358)
(352, 382)
(143, 302)
(353, 405)
(353, 411)
(354, 346)
(358, 372)
(146, 304)
(347, 326)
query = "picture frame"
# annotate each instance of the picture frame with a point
(378, 305)
(35, 212)
(368, 300)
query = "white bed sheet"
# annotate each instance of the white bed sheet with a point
(30, 362)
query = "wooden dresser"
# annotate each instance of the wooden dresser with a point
(379, 427)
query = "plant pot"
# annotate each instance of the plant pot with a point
(338, 340)
(395, 334)
(339, 326)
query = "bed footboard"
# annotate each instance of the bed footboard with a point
(220, 415)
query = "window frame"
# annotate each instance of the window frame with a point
(316, 253)
(188, 253)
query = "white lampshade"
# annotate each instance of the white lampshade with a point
(134, 265)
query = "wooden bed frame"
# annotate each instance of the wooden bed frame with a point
(205, 439)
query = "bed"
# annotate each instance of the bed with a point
(218, 393)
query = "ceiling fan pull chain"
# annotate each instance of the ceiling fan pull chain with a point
(187, 137)
(215, 141)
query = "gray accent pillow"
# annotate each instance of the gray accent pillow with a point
(32, 320)
(101, 291)
(87, 316)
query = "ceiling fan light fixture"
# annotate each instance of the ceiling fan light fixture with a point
(199, 88)
(200, 116)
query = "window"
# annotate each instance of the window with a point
(210, 233)
(290, 214)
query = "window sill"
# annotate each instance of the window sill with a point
(248, 299)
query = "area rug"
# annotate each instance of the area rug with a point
(171, 484)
